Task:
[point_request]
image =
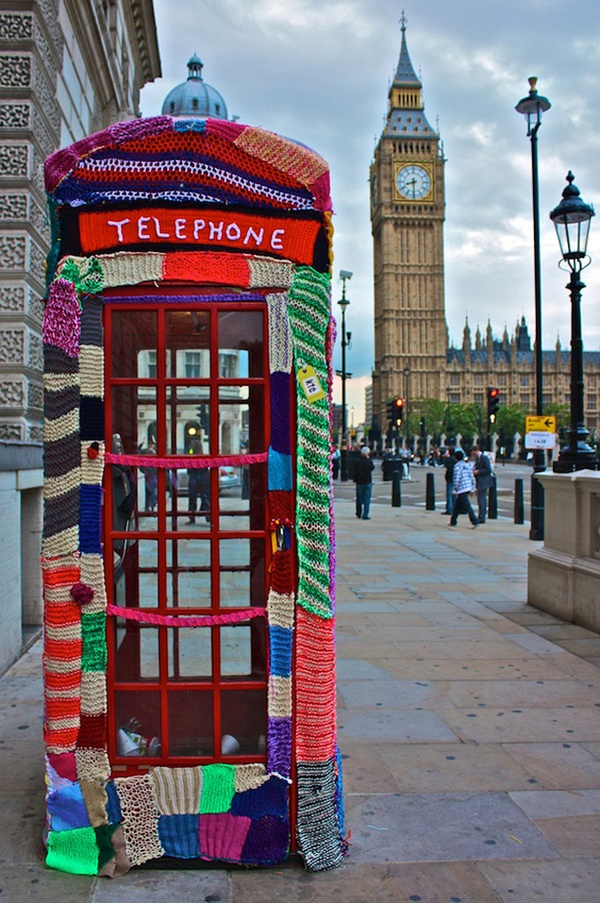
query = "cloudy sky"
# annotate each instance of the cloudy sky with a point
(319, 71)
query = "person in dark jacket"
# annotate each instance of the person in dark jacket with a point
(363, 478)
(448, 460)
(484, 478)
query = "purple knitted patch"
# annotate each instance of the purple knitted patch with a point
(268, 841)
(280, 412)
(62, 318)
(279, 745)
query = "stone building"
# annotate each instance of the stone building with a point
(67, 68)
(411, 335)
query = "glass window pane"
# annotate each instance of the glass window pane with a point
(187, 343)
(189, 580)
(133, 407)
(240, 344)
(241, 420)
(137, 715)
(187, 419)
(135, 563)
(243, 650)
(133, 343)
(190, 723)
(136, 651)
(242, 573)
(190, 653)
(244, 718)
(242, 494)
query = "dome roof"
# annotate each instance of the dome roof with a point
(194, 98)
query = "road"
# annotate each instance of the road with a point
(413, 491)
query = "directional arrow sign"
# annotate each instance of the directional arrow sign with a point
(540, 439)
(540, 424)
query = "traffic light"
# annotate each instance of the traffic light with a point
(398, 411)
(493, 403)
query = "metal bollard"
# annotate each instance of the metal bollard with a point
(396, 489)
(430, 493)
(493, 500)
(519, 502)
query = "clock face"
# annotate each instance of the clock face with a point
(413, 182)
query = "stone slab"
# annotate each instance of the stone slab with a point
(408, 725)
(562, 881)
(391, 694)
(528, 724)
(182, 886)
(452, 826)
(460, 767)
(557, 803)
(558, 766)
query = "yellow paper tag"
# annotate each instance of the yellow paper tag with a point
(310, 384)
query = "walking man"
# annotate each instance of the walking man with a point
(482, 471)
(464, 485)
(363, 478)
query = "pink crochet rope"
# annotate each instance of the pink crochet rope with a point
(188, 461)
(145, 617)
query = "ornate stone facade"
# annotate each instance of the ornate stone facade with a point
(66, 69)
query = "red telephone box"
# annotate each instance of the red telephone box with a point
(188, 550)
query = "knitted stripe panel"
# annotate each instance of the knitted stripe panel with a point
(319, 833)
(188, 160)
(308, 310)
(134, 267)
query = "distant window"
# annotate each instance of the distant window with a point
(501, 379)
(172, 106)
(195, 103)
(524, 381)
(454, 398)
(455, 379)
(217, 108)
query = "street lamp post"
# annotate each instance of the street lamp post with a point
(532, 108)
(572, 219)
(343, 302)
(407, 405)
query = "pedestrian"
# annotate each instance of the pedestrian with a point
(151, 479)
(335, 463)
(198, 488)
(464, 485)
(484, 479)
(363, 478)
(448, 460)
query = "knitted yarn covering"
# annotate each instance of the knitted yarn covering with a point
(98, 823)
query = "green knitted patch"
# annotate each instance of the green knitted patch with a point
(106, 851)
(308, 311)
(74, 851)
(218, 787)
(93, 636)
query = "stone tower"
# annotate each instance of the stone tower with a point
(407, 217)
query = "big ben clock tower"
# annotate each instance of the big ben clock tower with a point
(407, 218)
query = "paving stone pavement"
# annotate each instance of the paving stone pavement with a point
(469, 726)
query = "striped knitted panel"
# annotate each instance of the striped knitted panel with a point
(315, 688)
(177, 790)
(319, 833)
(280, 337)
(308, 309)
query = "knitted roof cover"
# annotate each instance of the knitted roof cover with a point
(246, 215)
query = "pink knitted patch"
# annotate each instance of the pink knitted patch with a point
(62, 318)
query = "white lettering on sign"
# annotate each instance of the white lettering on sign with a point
(119, 227)
(184, 229)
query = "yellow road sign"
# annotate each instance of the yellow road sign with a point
(540, 424)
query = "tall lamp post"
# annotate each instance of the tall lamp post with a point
(343, 302)
(572, 218)
(407, 405)
(532, 108)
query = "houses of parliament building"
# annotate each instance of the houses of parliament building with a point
(411, 335)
